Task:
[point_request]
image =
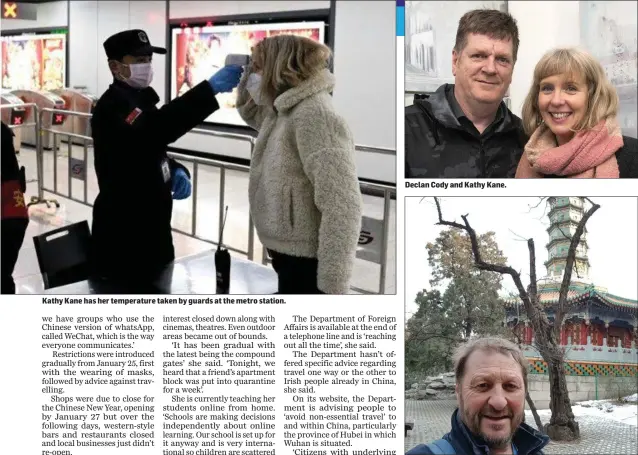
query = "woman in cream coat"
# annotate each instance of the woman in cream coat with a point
(303, 189)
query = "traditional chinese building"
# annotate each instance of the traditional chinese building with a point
(599, 331)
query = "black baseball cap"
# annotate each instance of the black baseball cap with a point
(130, 42)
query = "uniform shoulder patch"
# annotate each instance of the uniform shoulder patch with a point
(133, 115)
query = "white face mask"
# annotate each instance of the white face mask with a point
(141, 75)
(253, 85)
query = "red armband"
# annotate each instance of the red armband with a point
(133, 115)
(13, 205)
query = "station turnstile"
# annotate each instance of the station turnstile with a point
(14, 117)
(51, 121)
(77, 101)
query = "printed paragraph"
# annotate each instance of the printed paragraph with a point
(90, 355)
(211, 366)
(327, 359)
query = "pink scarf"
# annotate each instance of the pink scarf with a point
(589, 154)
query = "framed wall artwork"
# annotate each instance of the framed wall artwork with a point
(608, 32)
(430, 34)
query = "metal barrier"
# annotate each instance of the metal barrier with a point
(222, 180)
(195, 161)
(40, 154)
(222, 191)
(379, 150)
(388, 191)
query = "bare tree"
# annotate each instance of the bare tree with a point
(562, 425)
(528, 398)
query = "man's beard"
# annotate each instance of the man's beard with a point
(473, 422)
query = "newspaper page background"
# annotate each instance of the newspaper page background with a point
(320, 390)
(86, 375)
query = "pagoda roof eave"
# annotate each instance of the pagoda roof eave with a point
(577, 295)
(582, 258)
(563, 222)
(582, 241)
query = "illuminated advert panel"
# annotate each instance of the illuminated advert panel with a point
(198, 52)
(34, 62)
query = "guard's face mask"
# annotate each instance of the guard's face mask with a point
(141, 74)
(253, 85)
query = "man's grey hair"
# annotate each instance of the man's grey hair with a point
(488, 344)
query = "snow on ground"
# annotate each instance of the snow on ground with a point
(625, 413)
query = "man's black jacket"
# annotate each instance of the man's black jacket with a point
(527, 441)
(15, 215)
(131, 233)
(440, 141)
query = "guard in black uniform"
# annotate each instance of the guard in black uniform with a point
(15, 215)
(131, 234)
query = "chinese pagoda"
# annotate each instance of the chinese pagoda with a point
(599, 330)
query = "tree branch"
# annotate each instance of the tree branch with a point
(532, 271)
(425, 331)
(540, 201)
(520, 237)
(477, 255)
(431, 336)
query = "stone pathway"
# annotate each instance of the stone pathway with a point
(598, 435)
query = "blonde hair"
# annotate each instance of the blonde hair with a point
(488, 344)
(602, 99)
(286, 61)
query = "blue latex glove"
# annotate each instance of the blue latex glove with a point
(181, 184)
(226, 79)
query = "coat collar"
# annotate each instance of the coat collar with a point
(324, 81)
(145, 96)
(437, 105)
(527, 440)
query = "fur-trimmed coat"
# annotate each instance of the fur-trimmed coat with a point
(303, 188)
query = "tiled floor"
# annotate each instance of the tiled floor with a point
(43, 219)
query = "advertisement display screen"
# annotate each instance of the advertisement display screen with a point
(198, 52)
(34, 62)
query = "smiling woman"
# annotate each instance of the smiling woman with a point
(570, 113)
(562, 102)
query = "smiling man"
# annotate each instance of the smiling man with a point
(465, 129)
(491, 379)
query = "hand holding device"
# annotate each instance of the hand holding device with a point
(226, 79)
(180, 184)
